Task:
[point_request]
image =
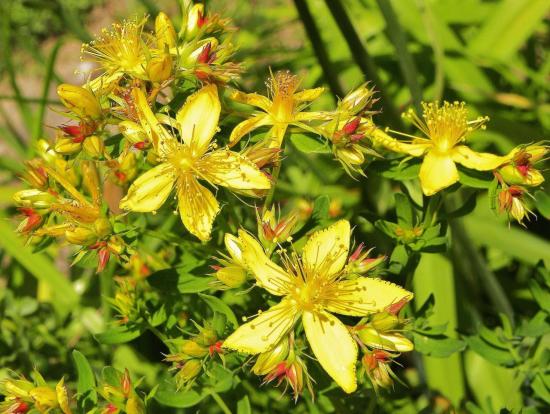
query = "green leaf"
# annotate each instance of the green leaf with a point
(397, 169)
(217, 305)
(404, 210)
(508, 28)
(41, 267)
(176, 280)
(439, 346)
(539, 325)
(85, 386)
(168, 395)
(542, 201)
(309, 144)
(243, 406)
(321, 208)
(119, 335)
(497, 356)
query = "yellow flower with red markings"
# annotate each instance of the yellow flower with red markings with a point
(313, 286)
(186, 160)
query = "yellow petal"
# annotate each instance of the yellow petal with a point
(364, 295)
(198, 118)
(253, 99)
(159, 136)
(150, 190)
(438, 171)
(197, 206)
(481, 161)
(326, 251)
(308, 94)
(265, 331)
(233, 247)
(268, 275)
(247, 126)
(231, 169)
(416, 149)
(333, 347)
(276, 135)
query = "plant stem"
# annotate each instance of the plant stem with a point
(275, 177)
(362, 58)
(406, 62)
(319, 47)
(488, 279)
(220, 402)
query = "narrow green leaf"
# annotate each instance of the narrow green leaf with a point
(41, 267)
(509, 26)
(118, 335)
(85, 386)
(309, 144)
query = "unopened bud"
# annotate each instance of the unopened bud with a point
(391, 341)
(45, 398)
(116, 245)
(133, 132)
(126, 383)
(193, 349)
(134, 405)
(63, 396)
(93, 146)
(357, 100)
(159, 68)
(66, 146)
(384, 321)
(194, 20)
(188, 371)
(102, 227)
(79, 100)
(206, 337)
(268, 361)
(165, 32)
(32, 198)
(16, 388)
(232, 276)
(81, 236)
(349, 155)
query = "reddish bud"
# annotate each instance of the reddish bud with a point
(126, 383)
(202, 19)
(394, 308)
(215, 348)
(140, 145)
(355, 255)
(204, 56)
(19, 408)
(351, 126)
(120, 175)
(102, 259)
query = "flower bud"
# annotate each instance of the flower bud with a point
(349, 155)
(134, 405)
(188, 371)
(232, 276)
(93, 146)
(159, 68)
(193, 20)
(81, 236)
(207, 336)
(126, 383)
(268, 361)
(16, 388)
(63, 396)
(388, 341)
(133, 132)
(357, 100)
(116, 245)
(66, 146)
(384, 321)
(193, 349)
(79, 100)
(35, 174)
(204, 53)
(377, 367)
(165, 32)
(32, 198)
(102, 227)
(45, 398)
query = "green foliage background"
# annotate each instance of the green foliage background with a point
(489, 348)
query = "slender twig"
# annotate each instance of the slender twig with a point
(220, 402)
(406, 62)
(362, 58)
(319, 47)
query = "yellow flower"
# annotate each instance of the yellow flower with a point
(185, 161)
(123, 49)
(285, 108)
(312, 288)
(446, 128)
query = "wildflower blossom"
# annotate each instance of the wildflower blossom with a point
(446, 128)
(313, 287)
(184, 162)
(284, 107)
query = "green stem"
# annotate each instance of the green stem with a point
(406, 62)
(106, 289)
(275, 177)
(362, 58)
(488, 279)
(220, 402)
(319, 47)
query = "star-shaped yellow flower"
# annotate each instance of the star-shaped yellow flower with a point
(185, 161)
(286, 107)
(313, 287)
(446, 128)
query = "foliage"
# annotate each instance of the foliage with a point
(222, 243)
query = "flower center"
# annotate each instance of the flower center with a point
(308, 295)
(282, 87)
(182, 159)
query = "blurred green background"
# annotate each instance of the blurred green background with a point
(491, 54)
